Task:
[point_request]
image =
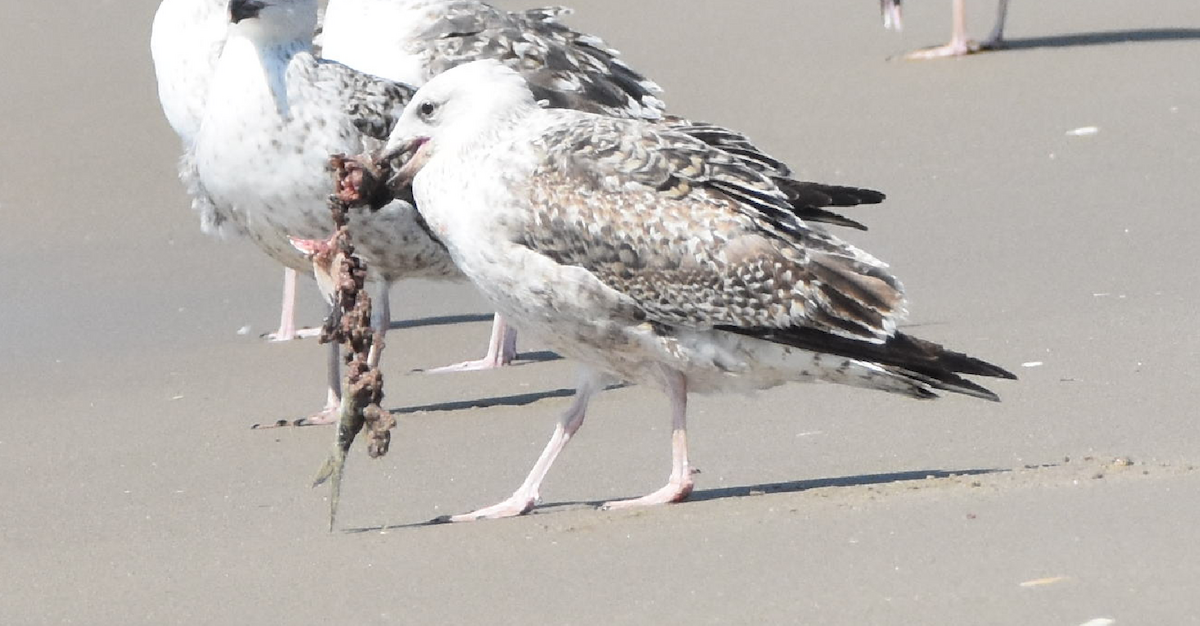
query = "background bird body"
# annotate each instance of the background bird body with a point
(275, 114)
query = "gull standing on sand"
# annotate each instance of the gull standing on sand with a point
(649, 256)
(273, 116)
(959, 44)
(186, 40)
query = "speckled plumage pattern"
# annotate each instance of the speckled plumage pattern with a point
(649, 255)
(414, 40)
(275, 114)
(633, 246)
(695, 236)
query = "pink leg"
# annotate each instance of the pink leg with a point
(959, 44)
(679, 486)
(502, 349)
(526, 496)
(287, 330)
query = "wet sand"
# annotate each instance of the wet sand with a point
(136, 493)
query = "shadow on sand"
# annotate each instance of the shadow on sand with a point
(480, 403)
(1103, 38)
(440, 320)
(703, 495)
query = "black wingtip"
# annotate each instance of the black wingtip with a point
(813, 214)
(903, 354)
(949, 359)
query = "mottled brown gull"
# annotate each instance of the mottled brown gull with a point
(649, 256)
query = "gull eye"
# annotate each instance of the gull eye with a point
(426, 109)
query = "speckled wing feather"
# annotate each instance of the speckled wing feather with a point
(807, 198)
(326, 96)
(565, 68)
(373, 103)
(695, 237)
(213, 221)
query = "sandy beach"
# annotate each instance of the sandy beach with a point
(135, 491)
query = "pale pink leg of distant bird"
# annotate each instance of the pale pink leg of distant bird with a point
(679, 486)
(502, 349)
(287, 315)
(959, 44)
(526, 496)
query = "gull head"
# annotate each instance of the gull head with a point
(273, 21)
(464, 107)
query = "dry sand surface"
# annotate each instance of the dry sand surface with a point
(134, 491)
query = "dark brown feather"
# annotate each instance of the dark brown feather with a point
(903, 353)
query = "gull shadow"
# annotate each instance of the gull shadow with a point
(862, 480)
(440, 320)
(541, 356)
(703, 495)
(1103, 38)
(522, 399)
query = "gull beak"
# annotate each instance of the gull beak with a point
(244, 9)
(406, 160)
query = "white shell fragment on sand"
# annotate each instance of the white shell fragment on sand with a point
(1041, 582)
(1083, 131)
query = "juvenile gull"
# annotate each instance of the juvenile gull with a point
(185, 43)
(960, 44)
(652, 257)
(274, 114)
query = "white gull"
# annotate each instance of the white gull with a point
(651, 257)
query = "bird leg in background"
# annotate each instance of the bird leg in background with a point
(350, 325)
(679, 486)
(959, 44)
(287, 330)
(502, 349)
